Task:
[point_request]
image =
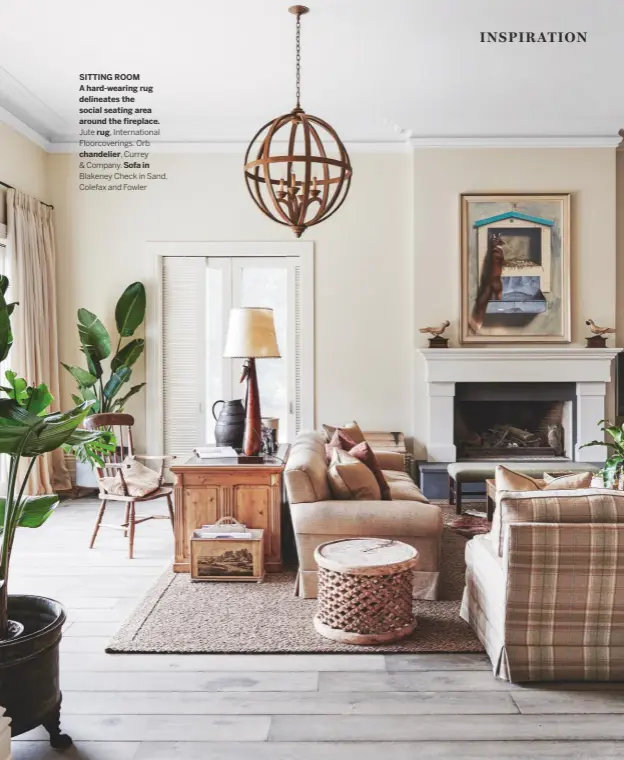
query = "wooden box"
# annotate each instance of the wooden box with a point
(228, 559)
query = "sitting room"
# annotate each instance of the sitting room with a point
(311, 384)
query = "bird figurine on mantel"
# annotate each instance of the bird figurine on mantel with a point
(598, 338)
(436, 340)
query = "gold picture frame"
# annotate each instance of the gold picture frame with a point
(515, 267)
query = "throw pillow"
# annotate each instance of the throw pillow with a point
(574, 480)
(350, 479)
(352, 429)
(365, 454)
(509, 480)
(140, 480)
(339, 440)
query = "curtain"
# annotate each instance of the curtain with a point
(34, 355)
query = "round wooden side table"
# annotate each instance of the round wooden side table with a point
(365, 588)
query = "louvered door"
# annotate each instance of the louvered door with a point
(198, 293)
(183, 354)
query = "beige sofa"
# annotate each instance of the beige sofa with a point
(545, 589)
(317, 517)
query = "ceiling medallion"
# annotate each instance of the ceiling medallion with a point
(297, 169)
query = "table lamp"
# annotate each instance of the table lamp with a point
(251, 336)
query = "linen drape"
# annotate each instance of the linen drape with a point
(34, 355)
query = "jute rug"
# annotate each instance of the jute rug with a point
(178, 616)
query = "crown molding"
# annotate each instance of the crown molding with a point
(353, 146)
(534, 141)
(235, 146)
(6, 117)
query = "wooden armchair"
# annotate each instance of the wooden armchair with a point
(121, 426)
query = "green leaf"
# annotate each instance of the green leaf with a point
(130, 309)
(30, 435)
(597, 443)
(39, 399)
(93, 335)
(4, 284)
(128, 355)
(121, 402)
(6, 336)
(33, 510)
(57, 429)
(93, 363)
(76, 399)
(80, 436)
(116, 380)
(80, 375)
(19, 386)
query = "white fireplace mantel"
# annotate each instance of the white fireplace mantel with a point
(589, 368)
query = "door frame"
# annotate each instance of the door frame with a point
(157, 250)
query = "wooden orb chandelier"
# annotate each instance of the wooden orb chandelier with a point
(297, 169)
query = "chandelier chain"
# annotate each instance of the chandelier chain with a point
(298, 60)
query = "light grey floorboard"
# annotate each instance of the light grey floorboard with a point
(437, 662)
(185, 681)
(430, 680)
(222, 662)
(89, 645)
(219, 707)
(287, 703)
(189, 728)
(92, 629)
(348, 728)
(41, 750)
(540, 701)
(382, 751)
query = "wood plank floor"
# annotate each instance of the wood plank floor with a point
(275, 707)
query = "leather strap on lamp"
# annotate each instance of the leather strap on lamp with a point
(251, 336)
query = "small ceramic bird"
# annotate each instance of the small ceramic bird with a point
(599, 330)
(436, 331)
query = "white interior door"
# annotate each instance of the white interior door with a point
(198, 293)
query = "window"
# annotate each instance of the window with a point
(197, 295)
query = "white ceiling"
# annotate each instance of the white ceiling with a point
(378, 70)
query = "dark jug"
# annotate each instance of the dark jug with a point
(230, 427)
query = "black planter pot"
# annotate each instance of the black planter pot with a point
(29, 668)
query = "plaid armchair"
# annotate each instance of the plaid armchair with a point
(545, 589)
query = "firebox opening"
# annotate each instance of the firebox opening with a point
(514, 421)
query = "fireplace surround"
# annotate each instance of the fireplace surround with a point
(585, 372)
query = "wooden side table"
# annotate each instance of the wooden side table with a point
(208, 489)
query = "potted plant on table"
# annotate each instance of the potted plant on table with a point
(30, 626)
(96, 345)
(613, 471)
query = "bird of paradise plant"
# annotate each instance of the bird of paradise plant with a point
(26, 432)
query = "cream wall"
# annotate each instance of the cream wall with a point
(440, 175)
(22, 165)
(386, 264)
(364, 267)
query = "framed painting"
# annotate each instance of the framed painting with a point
(515, 283)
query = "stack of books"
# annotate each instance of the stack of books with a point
(223, 531)
(215, 452)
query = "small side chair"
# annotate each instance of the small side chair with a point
(121, 427)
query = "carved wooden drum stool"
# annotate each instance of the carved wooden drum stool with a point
(365, 590)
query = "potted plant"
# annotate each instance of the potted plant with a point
(96, 345)
(613, 471)
(30, 626)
